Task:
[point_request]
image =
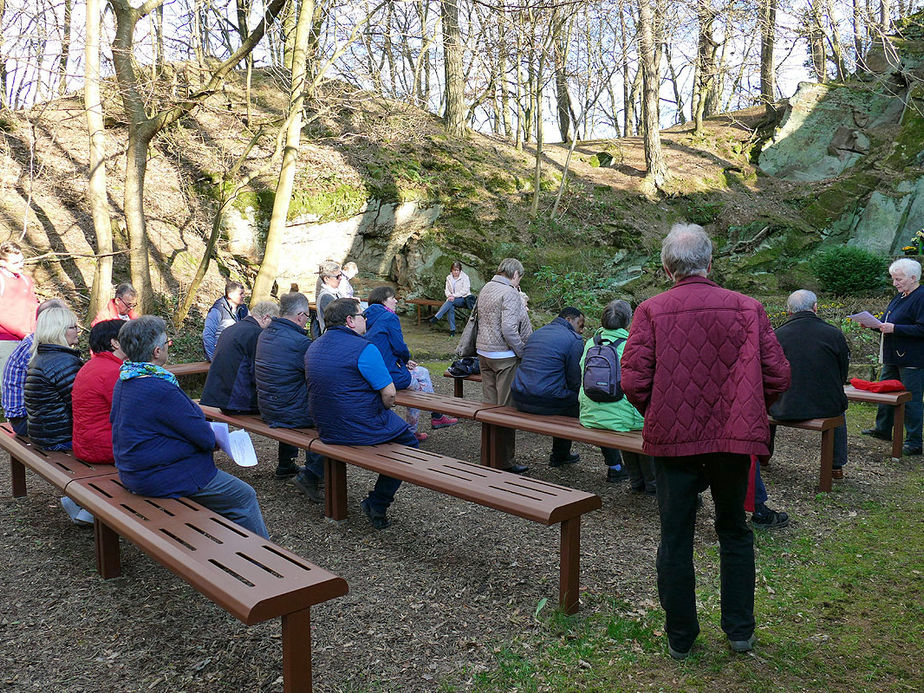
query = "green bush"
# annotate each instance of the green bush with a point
(848, 270)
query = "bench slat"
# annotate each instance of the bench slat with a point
(213, 554)
(194, 368)
(430, 401)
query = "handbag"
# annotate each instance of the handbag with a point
(464, 367)
(469, 335)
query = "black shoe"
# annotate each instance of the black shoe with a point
(616, 474)
(876, 433)
(570, 459)
(432, 321)
(310, 486)
(452, 333)
(678, 654)
(766, 518)
(516, 469)
(378, 520)
(287, 471)
(909, 450)
(742, 645)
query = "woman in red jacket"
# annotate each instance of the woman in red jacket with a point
(92, 394)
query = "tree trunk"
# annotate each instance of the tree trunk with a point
(272, 254)
(96, 194)
(65, 49)
(560, 55)
(704, 81)
(767, 43)
(4, 100)
(537, 175)
(654, 161)
(454, 115)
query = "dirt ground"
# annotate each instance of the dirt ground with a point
(431, 598)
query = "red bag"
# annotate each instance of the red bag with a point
(881, 386)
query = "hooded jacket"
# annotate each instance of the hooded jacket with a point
(383, 328)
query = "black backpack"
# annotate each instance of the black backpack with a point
(602, 375)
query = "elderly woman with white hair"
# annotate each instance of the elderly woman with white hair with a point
(902, 352)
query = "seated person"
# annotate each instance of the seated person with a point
(226, 311)
(621, 415)
(160, 439)
(350, 394)
(122, 307)
(14, 376)
(549, 376)
(230, 384)
(458, 292)
(282, 394)
(330, 276)
(384, 330)
(47, 391)
(92, 394)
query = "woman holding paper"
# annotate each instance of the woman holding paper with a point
(160, 439)
(903, 352)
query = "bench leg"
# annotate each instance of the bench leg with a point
(296, 652)
(18, 477)
(570, 566)
(827, 460)
(108, 562)
(457, 387)
(898, 431)
(335, 495)
(493, 446)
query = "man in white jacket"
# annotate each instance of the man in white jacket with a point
(458, 292)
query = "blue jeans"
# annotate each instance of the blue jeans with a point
(383, 493)
(450, 307)
(913, 380)
(679, 480)
(232, 498)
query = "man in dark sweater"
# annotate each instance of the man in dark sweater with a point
(549, 376)
(818, 356)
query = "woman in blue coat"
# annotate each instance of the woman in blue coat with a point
(384, 330)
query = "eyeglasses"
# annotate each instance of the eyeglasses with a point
(126, 303)
(168, 343)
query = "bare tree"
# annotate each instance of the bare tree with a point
(454, 115)
(767, 44)
(651, 81)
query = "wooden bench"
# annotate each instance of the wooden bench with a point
(250, 577)
(892, 399)
(531, 499)
(194, 368)
(424, 303)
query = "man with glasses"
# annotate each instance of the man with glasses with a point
(282, 394)
(122, 307)
(351, 394)
(17, 300)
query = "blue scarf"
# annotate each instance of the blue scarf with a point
(144, 369)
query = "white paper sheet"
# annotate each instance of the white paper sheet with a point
(866, 319)
(236, 444)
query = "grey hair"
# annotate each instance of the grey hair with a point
(125, 289)
(686, 251)
(510, 266)
(139, 337)
(329, 268)
(908, 267)
(617, 314)
(801, 299)
(293, 303)
(264, 309)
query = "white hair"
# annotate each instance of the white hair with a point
(686, 251)
(908, 267)
(801, 299)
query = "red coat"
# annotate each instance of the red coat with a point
(702, 365)
(111, 312)
(92, 402)
(17, 305)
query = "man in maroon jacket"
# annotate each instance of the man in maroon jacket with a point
(702, 365)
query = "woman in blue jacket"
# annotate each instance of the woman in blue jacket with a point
(384, 330)
(161, 442)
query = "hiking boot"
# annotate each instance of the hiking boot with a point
(911, 449)
(443, 422)
(378, 520)
(765, 518)
(570, 459)
(431, 321)
(678, 654)
(615, 474)
(743, 645)
(837, 473)
(421, 436)
(311, 486)
(876, 433)
(516, 469)
(287, 471)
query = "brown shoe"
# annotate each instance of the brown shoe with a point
(837, 473)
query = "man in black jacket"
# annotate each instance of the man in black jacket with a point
(818, 356)
(549, 376)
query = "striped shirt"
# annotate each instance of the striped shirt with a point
(14, 379)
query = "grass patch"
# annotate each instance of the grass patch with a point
(843, 612)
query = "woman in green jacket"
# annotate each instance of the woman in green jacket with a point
(621, 415)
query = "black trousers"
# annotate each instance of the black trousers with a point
(679, 480)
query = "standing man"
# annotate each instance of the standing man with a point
(17, 300)
(351, 394)
(122, 307)
(702, 364)
(226, 311)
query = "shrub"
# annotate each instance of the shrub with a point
(849, 270)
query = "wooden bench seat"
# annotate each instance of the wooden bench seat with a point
(531, 499)
(892, 399)
(424, 303)
(194, 368)
(250, 577)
